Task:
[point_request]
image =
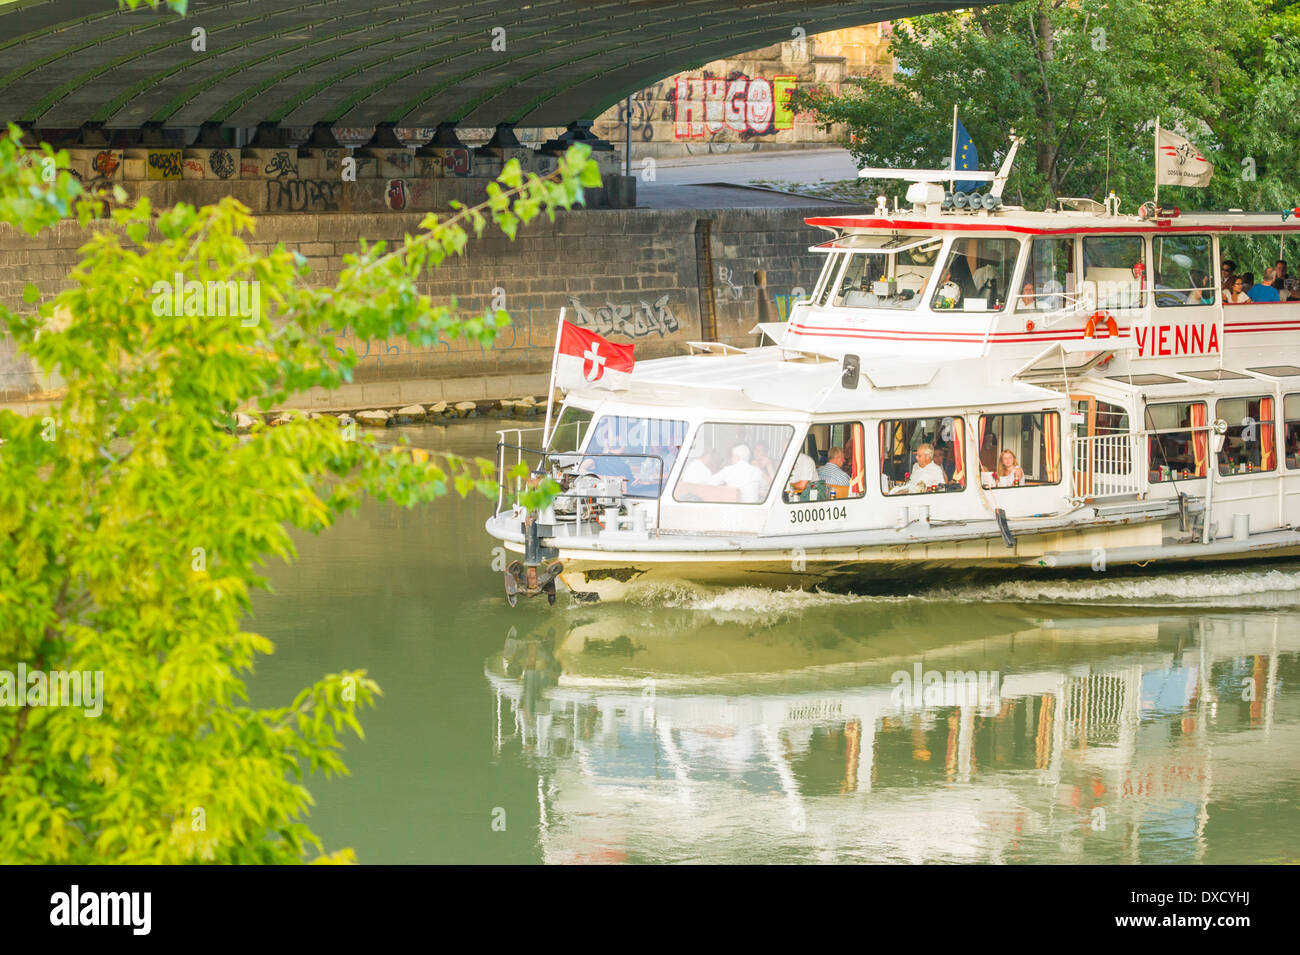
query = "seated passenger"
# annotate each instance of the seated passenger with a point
(832, 472)
(803, 474)
(1201, 293)
(763, 461)
(742, 475)
(700, 469)
(1233, 293)
(1010, 474)
(1280, 275)
(946, 464)
(1264, 291)
(925, 474)
(1027, 297)
(1227, 272)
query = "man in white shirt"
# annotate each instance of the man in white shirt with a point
(804, 473)
(743, 476)
(925, 473)
(699, 469)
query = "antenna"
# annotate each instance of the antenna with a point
(1000, 180)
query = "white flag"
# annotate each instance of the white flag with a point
(1178, 162)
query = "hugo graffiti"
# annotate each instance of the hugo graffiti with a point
(706, 105)
(635, 321)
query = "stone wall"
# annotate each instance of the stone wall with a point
(634, 275)
(740, 103)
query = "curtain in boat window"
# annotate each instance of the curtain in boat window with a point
(1052, 446)
(1200, 439)
(958, 448)
(858, 469)
(1268, 454)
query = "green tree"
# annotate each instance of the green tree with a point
(134, 521)
(1082, 81)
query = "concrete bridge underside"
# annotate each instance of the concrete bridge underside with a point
(476, 63)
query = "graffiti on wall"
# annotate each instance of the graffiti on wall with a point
(747, 106)
(634, 321)
(303, 195)
(221, 163)
(105, 163)
(280, 166)
(395, 194)
(164, 164)
(643, 105)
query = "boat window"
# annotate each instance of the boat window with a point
(1049, 278)
(1174, 450)
(1184, 274)
(831, 466)
(1114, 270)
(822, 294)
(639, 450)
(570, 428)
(1259, 259)
(1250, 445)
(888, 279)
(1291, 424)
(922, 455)
(1094, 417)
(733, 463)
(1020, 450)
(862, 272)
(976, 275)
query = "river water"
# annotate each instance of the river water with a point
(1102, 719)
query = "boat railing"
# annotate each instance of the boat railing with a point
(1116, 465)
(1108, 465)
(510, 455)
(1053, 307)
(518, 446)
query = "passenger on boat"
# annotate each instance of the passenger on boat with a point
(1010, 473)
(832, 472)
(1202, 293)
(763, 461)
(989, 452)
(1027, 297)
(1264, 291)
(945, 463)
(699, 469)
(925, 473)
(1227, 271)
(742, 475)
(1233, 293)
(1279, 274)
(803, 474)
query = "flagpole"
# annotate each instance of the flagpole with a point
(1155, 157)
(952, 162)
(550, 392)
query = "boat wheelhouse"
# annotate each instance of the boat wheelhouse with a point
(983, 387)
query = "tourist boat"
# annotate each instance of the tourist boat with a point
(1011, 390)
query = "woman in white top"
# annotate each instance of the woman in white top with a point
(1010, 473)
(1233, 294)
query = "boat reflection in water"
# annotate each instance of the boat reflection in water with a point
(1049, 733)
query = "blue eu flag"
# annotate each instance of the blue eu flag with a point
(967, 158)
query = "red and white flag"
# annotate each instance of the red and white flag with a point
(585, 360)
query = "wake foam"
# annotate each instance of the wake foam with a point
(1277, 587)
